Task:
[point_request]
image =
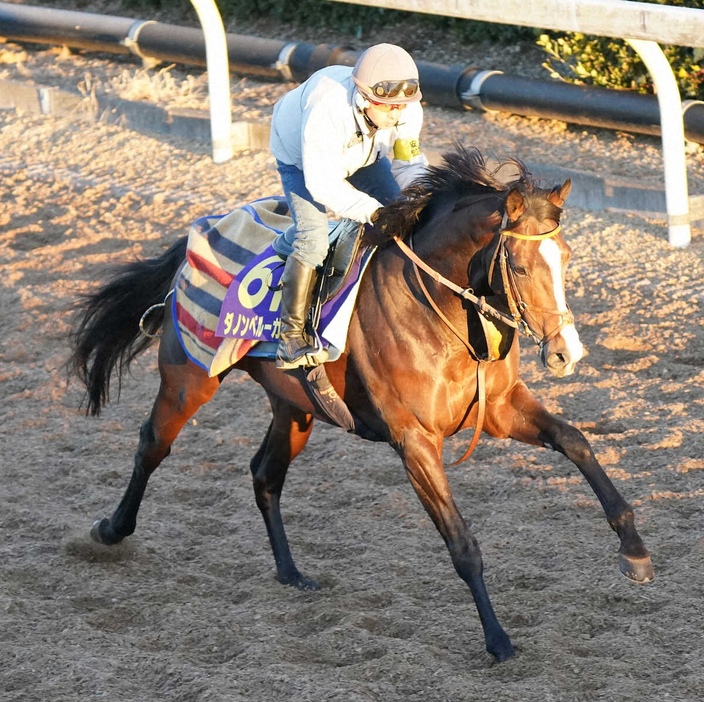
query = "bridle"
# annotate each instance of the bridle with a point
(518, 308)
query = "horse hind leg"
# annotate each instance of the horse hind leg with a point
(184, 388)
(286, 437)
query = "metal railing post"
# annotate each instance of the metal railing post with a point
(673, 141)
(217, 65)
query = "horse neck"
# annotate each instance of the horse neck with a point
(451, 238)
(450, 243)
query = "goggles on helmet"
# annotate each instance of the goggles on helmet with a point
(393, 88)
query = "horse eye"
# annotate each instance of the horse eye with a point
(520, 270)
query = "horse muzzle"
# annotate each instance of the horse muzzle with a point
(561, 354)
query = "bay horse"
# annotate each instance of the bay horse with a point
(462, 247)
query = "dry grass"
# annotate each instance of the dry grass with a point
(161, 86)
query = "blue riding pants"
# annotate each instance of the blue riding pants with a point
(307, 238)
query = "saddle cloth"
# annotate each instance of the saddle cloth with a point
(227, 257)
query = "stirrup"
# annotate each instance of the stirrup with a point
(304, 355)
(307, 359)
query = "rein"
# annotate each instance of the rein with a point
(516, 306)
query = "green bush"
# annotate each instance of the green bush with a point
(612, 63)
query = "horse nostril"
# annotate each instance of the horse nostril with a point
(556, 360)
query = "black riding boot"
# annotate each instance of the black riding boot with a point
(298, 281)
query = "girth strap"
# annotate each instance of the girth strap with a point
(323, 395)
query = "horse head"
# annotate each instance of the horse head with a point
(528, 268)
(509, 233)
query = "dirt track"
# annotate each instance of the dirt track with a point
(188, 608)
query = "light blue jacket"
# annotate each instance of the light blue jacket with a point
(320, 128)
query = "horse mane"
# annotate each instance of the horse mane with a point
(462, 176)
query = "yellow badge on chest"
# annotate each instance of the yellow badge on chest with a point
(406, 149)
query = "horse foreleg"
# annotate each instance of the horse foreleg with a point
(287, 436)
(533, 424)
(184, 388)
(423, 461)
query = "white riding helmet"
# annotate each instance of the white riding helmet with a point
(386, 73)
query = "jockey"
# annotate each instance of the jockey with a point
(346, 140)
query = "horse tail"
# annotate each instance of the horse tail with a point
(107, 335)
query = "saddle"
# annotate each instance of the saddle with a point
(344, 240)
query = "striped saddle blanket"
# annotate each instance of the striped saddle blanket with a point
(227, 298)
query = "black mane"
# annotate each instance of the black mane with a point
(462, 176)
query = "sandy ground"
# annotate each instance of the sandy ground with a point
(188, 608)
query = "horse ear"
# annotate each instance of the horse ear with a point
(515, 206)
(558, 195)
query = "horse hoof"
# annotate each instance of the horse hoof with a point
(95, 531)
(307, 584)
(504, 655)
(299, 582)
(639, 570)
(98, 533)
(501, 648)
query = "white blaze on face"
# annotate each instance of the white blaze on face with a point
(550, 252)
